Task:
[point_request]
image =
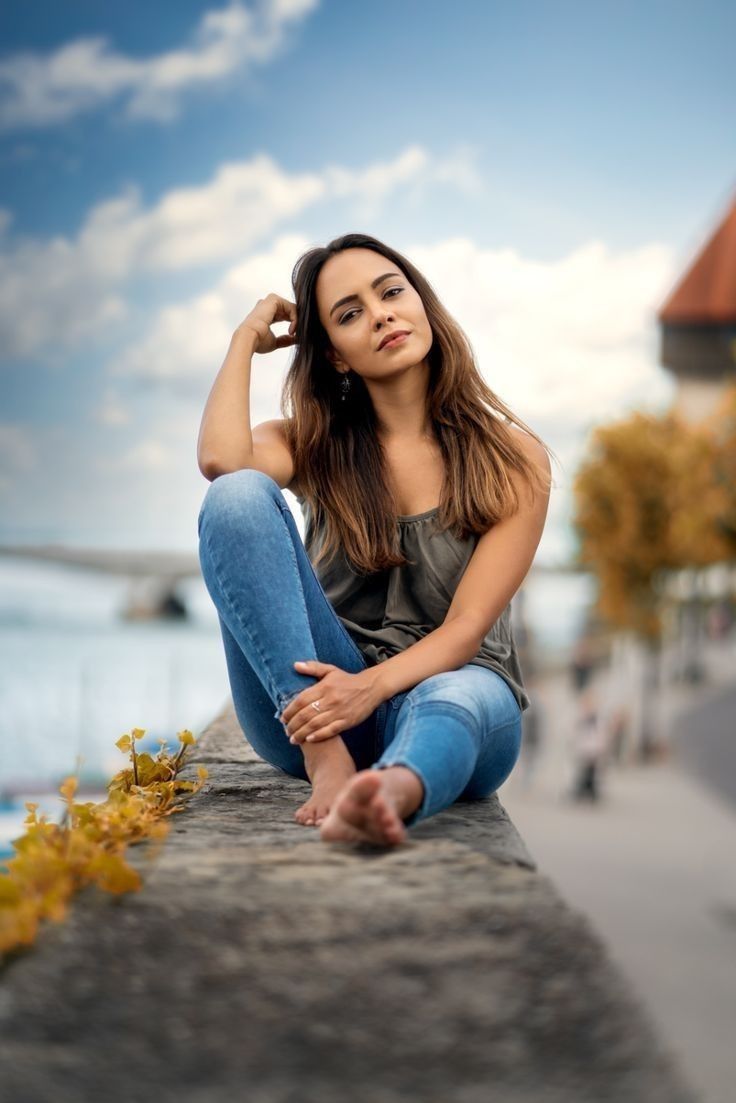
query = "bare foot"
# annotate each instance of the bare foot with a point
(329, 766)
(372, 805)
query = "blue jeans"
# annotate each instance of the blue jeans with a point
(459, 731)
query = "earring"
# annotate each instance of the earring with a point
(345, 386)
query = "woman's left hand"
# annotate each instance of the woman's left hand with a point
(344, 700)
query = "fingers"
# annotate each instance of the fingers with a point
(282, 310)
(285, 308)
(300, 719)
(325, 733)
(306, 729)
(328, 732)
(301, 704)
(315, 729)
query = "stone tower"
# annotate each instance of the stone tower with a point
(698, 325)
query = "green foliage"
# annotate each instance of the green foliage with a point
(54, 861)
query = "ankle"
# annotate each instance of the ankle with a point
(328, 755)
(404, 788)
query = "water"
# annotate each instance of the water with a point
(74, 676)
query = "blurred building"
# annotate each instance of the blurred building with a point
(698, 320)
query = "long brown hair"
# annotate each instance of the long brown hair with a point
(339, 461)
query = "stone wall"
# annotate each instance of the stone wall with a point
(261, 964)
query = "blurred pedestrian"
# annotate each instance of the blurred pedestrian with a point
(590, 747)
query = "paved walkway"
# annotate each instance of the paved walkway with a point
(652, 865)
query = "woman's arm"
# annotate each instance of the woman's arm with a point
(225, 441)
(446, 648)
(225, 436)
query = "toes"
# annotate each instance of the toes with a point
(375, 824)
(308, 817)
(382, 822)
(337, 830)
(360, 813)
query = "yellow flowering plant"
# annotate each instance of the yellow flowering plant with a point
(53, 861)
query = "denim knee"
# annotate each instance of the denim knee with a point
(472, 688)
(239, 492)
(451, 690)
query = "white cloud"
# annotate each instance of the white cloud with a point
(414, 170)
(52, 298)
(85, 74)
(568, 339)
(76, 485)
(111, 410)
(59, 292)
(187, 342)
(566, 344)
(144, 457)
(564, 341)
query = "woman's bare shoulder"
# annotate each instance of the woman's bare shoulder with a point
(531, 447)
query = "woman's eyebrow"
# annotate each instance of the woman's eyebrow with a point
(377, 280)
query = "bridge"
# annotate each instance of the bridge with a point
(155, 575)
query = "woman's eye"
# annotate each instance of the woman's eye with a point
(388, 291)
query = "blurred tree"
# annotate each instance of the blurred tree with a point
(654, 494)
(621, 495)
(722, 424)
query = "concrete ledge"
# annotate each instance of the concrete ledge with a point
(262, 964)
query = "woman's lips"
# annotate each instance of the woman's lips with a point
(395, 341)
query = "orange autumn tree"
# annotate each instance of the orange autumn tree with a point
(647, 500)
(722, 425)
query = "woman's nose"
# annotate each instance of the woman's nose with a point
(382, 317)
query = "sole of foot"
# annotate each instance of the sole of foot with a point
(365, 813)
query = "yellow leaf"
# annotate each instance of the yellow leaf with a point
(123, 743)
(202, 772)
(9, 891)
(114, 875)
(68, 788)
(186, 737)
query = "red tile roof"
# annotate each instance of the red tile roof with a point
(707, 291)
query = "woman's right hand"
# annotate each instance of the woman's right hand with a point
(272, 309)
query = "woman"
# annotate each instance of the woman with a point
(384, 640)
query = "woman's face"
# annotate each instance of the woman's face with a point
(380, 300)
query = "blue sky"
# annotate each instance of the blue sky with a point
(551, 167)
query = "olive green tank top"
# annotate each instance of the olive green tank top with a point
(387, 611)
